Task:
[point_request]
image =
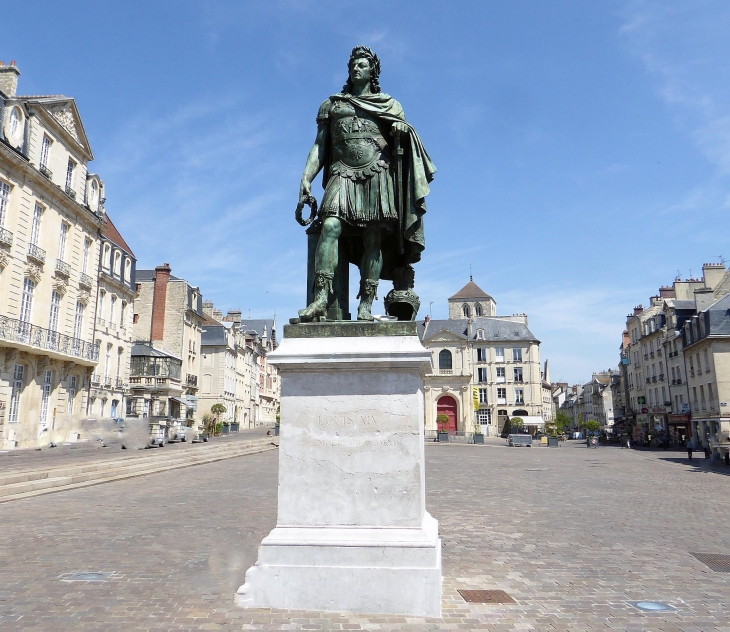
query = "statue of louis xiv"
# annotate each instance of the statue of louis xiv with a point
(376, 175)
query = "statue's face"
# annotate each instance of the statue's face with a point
(360, 71)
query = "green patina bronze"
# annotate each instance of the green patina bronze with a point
(376, 174)
(351, 329)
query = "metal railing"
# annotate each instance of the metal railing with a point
(661, 377)
(100, 321)
(95, 379)
(14, 330)
(63, 267)
(191, 380)
(85, 279)
(70, 192)
(446, 371)
(120, 383)
(6, 237)
(34, 252)
(45, 171)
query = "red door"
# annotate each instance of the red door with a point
(447, 406)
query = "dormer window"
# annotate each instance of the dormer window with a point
(118, 263)
(14, 126)
(480, 334)
(107, 257)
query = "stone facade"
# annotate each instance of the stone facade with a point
(167, 327)
(115, 298)
(51, 215)
(485, 369)
(235, 371)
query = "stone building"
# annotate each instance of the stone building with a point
(658, 395)
(165, 366)
(114, 314)
(51, 214)
(485, 368)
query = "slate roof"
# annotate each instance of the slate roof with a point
(149, 275)
(495, 329)
(258, 325)
(470, 291)
(719, 314)
(683, 304)
(109, 230)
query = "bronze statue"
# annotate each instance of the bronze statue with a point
(376, 173)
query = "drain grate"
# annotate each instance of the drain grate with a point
(718, 563)
(86, 577)
(486, 596)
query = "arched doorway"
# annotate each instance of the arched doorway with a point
(446, 405)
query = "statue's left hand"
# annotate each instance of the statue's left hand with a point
(398, 128)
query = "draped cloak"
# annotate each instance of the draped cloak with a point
(417, 172)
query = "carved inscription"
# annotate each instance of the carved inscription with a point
(346, 420)
(354, 442)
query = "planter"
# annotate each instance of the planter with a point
(276, 430)
(235, 427)
(443, 437)
(553, 442)
(479, 438)
(226, 430)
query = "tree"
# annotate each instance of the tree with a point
(562, 422)
(442, 421)
(218, 409)
(592, 426)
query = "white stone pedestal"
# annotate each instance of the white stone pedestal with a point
(352, 533)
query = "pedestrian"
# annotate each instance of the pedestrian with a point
(268, 433)
(689, 451)
(628, 443)
(708, 453)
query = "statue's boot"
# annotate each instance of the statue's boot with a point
(368, 292)
(322, 290)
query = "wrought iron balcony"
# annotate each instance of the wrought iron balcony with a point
(13, 330)
(63, 268)
(95, 379)
(45, 171)
(100, 321)
(86, 280)
(108, 381)
(661, 377)
(120, 383)
(192, 380)
(34, 252)
(70, 192)
(653, 378)
(6, 237)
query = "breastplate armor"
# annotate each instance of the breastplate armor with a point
(356, 142)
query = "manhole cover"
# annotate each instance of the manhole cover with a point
(486, 596)
(652, 606)
(86, 577)
(718, 563)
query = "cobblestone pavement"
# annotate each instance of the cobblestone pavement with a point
(572, 534)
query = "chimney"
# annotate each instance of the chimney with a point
(713, 273)
(208, 308)
(218, 315)
(234, 316)
(667, 291)
(159, 302)
(9, 79)
(638, 309)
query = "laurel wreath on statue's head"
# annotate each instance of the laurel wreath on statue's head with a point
(310, 201)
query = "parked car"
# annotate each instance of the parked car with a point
(158, 435)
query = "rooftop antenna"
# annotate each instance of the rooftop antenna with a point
(722, 261)
(690, 273)
(249, 313)
(679, 274)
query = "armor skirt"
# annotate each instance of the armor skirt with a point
(360, 196)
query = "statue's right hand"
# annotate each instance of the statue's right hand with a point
(305, 190)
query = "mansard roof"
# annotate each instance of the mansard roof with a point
(495, 329)
(109, 230)
(469, 292)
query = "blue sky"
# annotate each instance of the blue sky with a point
(583, 148)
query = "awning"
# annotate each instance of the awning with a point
(182, 400)
(532, 420)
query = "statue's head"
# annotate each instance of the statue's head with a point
(358, 54)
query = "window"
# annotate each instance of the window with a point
(107, 361)
(122, 315)
(71, 395)
(519, 396)
(4, 196)
(445, 360)
(711, 396)
(112, 305)
(702, 397)
(115, 404)
(691, 367)
(483, 396)
(517, 355)
(499, 354)
(501, 374)
(85, 259)
(699, 365)
(679, 375)
(480, 334)
(466, 311)
(694, 397)
(53, 319)
(45, 151)
(707, 362)
(484, 416)
(478, 310)
(107, 256)
(501, 395)
(677, 409)
(15, 121)
(18, 374)
(45, 399)
(518, 374)
(102, 302)
(651, 398)
(93, 192)
(481, 354)
(664, 394)
(62, 241)
(35, 228)
(482, 375)
(70, 174)
(102, 406)
(127, 270)
(26, 302)
(673, 375)
(118, 263)
(78, 319)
